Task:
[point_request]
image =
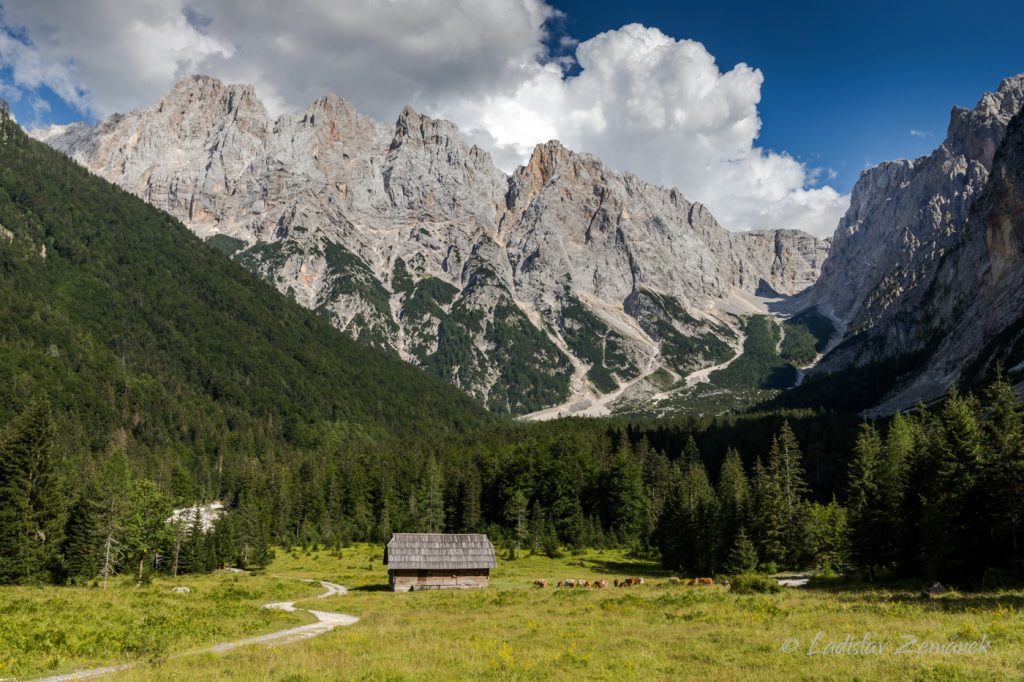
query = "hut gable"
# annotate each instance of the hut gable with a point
(439, 552)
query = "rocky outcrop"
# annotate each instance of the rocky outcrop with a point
(566, 282)
(904, 218)
(916, 265)
(975, 313)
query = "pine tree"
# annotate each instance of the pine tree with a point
(742, 556)
(688, 534)
(627, 505)
(733, 501)
(83, 537)
(1003, 473)
(31, 499)
(516, 513)
(871, 512)
(433, 497)
(952, 526)
(471, 491)
(768, 533)
(787, 490)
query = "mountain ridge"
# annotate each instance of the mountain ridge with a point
(410, 240)
(899, 276)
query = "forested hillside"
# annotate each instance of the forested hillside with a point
(141, 370)
(143, 337)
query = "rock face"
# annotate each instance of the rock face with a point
(566, 283)
(975, 314)
(919, 265)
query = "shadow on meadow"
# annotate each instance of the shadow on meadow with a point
(624, 567)
(911, 593)
(372, 587)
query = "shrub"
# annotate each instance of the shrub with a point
(749, 583)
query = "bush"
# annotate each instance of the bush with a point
(551, 547)
(749, 583)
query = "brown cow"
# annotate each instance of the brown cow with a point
(540, 582)
(585, 583)
(600, 584)
(616, 583)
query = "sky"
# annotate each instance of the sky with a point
(766, 112)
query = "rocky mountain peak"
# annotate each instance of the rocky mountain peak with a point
(899, 254)
(567, 282)
(975, 133)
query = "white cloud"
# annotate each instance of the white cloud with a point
(661, 108)
(642, 101)
(919, 133)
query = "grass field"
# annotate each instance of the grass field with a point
(661, 630)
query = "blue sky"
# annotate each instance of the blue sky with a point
(845, 82)
(840, 85)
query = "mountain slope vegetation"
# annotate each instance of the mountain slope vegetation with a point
(143, 337)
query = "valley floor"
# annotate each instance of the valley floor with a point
(661, 630)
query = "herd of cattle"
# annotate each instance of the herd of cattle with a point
(601, 584)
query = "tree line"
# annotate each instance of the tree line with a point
(935, 493)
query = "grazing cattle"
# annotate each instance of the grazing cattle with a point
(541, 582)
(585, 583)
(600, 584)
(560, 583)
(701, 581)
(570, 583)
(616, 582)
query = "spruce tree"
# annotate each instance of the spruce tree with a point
(1003, 473)
(516, 511)
(83, 538)
(433, 497)
(688, 534)
(742, 555)
(953, 525)
(733, 501)
(871, 514)
(785, 465)
(627, 504)
(31, 498)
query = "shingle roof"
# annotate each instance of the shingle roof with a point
(439, 551)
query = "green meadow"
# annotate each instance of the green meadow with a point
(663, 629)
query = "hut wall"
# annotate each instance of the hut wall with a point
(404, 580)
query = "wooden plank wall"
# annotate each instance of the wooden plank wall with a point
(407, 580)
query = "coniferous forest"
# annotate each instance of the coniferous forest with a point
(141, 371)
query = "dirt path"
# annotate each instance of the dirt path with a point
(325, 622)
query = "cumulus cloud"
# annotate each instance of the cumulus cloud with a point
(639, 99)
(661, 108)
(102, 56)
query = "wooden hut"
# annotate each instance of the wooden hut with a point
(438, 561)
